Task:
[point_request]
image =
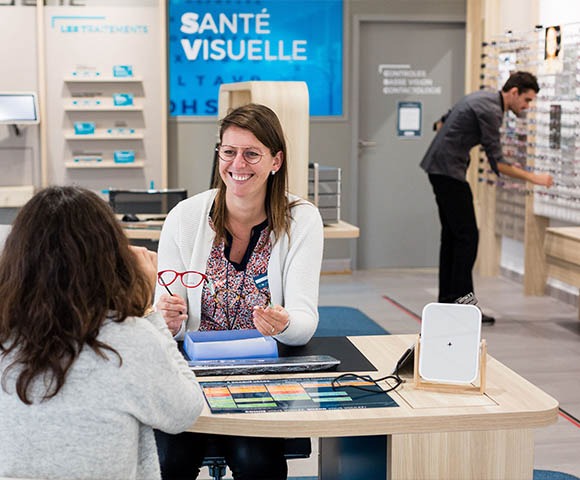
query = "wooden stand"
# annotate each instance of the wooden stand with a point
(452, 387)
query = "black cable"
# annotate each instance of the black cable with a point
(336, 382)
(403, 360)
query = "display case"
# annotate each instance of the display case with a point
(324, 190)
(113, 131)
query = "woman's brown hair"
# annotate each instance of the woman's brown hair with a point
(66, 267)
(266, 127)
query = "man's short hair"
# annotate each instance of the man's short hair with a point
(523, 81)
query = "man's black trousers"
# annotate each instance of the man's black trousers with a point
(459, 237)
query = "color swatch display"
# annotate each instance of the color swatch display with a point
(246, 396)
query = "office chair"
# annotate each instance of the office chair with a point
(293, 448)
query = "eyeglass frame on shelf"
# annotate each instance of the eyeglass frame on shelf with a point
(244, 151)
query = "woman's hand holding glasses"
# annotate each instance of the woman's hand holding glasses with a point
(172, 306)
(174, 311)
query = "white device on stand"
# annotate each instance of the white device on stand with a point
(18, 109)
(450, 343)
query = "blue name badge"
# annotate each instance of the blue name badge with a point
(261, 281)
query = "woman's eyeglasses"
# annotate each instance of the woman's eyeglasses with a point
(189, 279)
(227, 153)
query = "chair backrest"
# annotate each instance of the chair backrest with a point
(145, 201)
(297, 448)
(293, 448)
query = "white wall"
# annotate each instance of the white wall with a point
(523, 15)
(517, 15)
(19, 154)
(555, 12)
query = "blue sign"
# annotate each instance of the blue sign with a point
(225, 41)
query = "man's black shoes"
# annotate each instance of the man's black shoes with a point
(487, 319)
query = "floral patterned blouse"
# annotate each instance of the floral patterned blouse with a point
(228, 299)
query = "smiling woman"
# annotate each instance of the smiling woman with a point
(243, 177)
(260, 249)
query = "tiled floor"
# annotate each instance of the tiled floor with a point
(538, 337)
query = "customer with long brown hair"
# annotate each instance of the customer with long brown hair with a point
(85, 376)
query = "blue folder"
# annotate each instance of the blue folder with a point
(229, 344)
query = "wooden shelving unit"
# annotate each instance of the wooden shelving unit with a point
(78, 84)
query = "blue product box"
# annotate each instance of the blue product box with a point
(84, 128)
(122, 71)
(124, 156)
(122, 99)
(229, 344)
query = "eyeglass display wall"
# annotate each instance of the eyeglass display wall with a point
(546, 139)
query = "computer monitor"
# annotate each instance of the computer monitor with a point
(145, 201)
(18, 108)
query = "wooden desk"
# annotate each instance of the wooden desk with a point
(143, 230)
(341, 230)
(562, 248)
(429, 436)
(152, 230)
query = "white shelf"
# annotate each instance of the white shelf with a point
(102, 135)
(106, 107)
(104, 164)
(103, 79)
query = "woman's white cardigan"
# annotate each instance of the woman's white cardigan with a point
(293, 270)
